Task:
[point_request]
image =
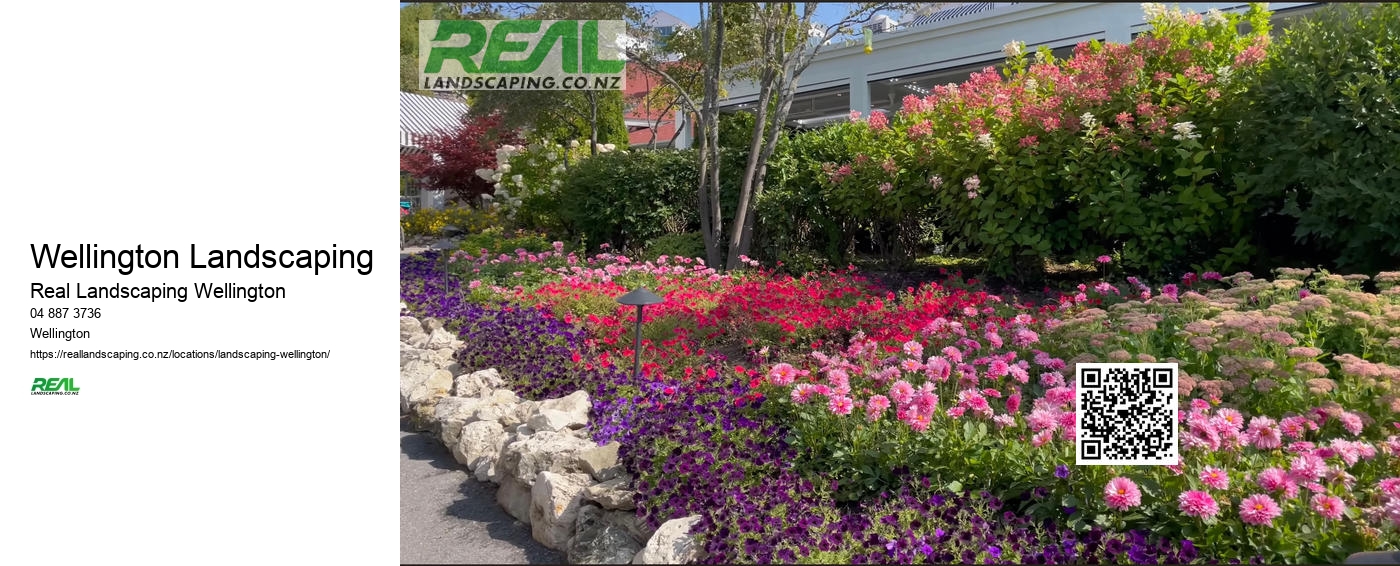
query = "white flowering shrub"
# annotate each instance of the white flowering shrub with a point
(527, 179)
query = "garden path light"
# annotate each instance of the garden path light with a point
(640, 298)
(445, 246)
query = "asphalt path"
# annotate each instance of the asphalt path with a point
(447, 517)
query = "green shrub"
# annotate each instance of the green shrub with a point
(529, 178)
(497, 241)
(1116, 150)
(689, 244)
(627, 199)
(1325, 134)
(736, 130)
(794, 217)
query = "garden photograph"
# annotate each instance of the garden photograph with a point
(816, 288)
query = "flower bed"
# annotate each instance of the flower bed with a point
(823, 419)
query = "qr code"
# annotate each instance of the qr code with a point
(1126, 414)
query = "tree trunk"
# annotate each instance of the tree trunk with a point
(592, 122)
(707, 189)
(785, 96)
(743, 219)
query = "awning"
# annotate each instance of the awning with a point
(421, 116)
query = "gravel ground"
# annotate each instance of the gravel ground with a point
(447, 517)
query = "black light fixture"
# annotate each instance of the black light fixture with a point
(639, 298)
(445, 246)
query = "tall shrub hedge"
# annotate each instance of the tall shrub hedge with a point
(1117, 150)
(1324, 137)
(630, 199)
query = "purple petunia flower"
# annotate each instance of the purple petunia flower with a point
(1062, 471)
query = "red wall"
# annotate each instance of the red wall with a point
(639, 83)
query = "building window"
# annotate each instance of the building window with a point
(410, 191)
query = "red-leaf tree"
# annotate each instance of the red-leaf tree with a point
(450, 158)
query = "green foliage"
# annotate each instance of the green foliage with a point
(736, 130)
(530, 177)
(1325, 134)
(689, 244)
(495, 240)
(410, 14)
(1125, 159)
(628, 199)
(795, 217)
(558, 116)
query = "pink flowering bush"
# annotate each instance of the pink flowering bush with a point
(753, 379)
(1289, 445)
(1289, 392)
(1117, 148)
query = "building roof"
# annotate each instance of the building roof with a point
(662, 19)
(966, 9)
(422, 115)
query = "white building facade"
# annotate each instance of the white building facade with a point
(949, 45)
(421, 116)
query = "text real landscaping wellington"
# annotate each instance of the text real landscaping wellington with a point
(89, 256)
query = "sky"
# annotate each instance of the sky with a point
(689, 12)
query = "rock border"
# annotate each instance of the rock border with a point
(572, 493)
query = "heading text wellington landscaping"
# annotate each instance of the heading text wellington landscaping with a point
(125, 262)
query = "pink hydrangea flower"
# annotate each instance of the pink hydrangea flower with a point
(1307, 467)
(1351, 422)
(840, 405)
(1198, 504)
(902, 392)
(1229, 417)
(1390, 487)
(1264, 434)
(1328, 506)
(1215, 478)
(913, 349)
(782, 374)
(1273, 479)
(875, 407)
(1259, 509)
(1121, 494)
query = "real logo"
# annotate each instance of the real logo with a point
(53, 386)
(521, 55)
